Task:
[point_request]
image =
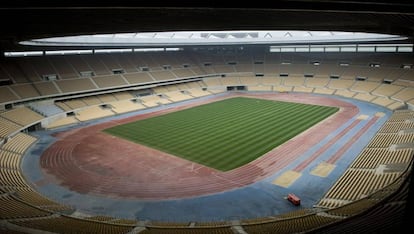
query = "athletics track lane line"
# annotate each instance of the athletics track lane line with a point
(325, 147)
(345, 147)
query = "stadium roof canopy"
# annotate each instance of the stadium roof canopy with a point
(213, 38)
(25, 21)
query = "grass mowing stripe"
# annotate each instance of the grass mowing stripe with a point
(233, 118)
(193, 128)
(261, 149)
(224, 128)
(258, 147)
(242, 129)
(244, 147)
(247, 134)
(210, 134)
(224, 134)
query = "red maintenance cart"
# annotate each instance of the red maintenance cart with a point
(293, 199)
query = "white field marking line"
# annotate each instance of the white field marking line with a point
(191, 168)
(164, 171)
(231, 181)
(198, 168)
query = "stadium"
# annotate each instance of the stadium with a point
(291, 118)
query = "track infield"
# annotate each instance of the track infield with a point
(89, 161)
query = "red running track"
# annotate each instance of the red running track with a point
(89, 161)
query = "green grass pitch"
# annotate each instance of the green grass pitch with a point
(225, 134)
